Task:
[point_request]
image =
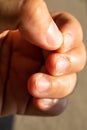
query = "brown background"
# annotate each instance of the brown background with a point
(75, 116)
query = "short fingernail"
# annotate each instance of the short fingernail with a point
(42, 84)
(68, 41)
(54, 36)
(62, 64)
(48, 103)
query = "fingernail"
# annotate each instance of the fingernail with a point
(54, 36)
(62, 64)
(42, 84)
(48, 103)
(68, 41)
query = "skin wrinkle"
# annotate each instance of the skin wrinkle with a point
(1, 48)
(1, 78)
(4, 87)
(4, 81)
(28, 104)
(12, 47)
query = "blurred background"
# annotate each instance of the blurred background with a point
(75, 116)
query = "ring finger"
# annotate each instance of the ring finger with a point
(41, 85)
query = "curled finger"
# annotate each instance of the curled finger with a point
(51, 106)
(41, 85)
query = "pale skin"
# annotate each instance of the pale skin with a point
(38, 34)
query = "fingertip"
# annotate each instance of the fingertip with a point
(37, 84)
(51, 106)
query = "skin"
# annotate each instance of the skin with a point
(54, 43)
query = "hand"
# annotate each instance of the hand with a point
(31, 24)
(62, 65)
(66, 39)
(25, 59)
(45, 34)
(19, 60)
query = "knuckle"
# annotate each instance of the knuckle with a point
(68, 84)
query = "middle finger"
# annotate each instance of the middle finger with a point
(69, 62)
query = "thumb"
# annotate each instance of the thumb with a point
(38, 27)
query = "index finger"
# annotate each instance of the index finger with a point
(70, 29)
